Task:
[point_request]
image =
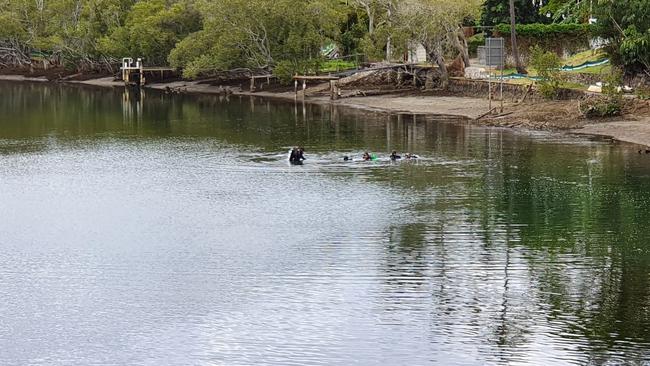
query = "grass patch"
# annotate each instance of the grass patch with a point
(337, 65)
(585, 56)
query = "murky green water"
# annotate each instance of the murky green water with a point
(173, 231)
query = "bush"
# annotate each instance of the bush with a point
(474, 42)
(544, 31)
(559, 38)
(643, 92)
(611, 103)
(600, 107)
(286, 69)
(547, 65)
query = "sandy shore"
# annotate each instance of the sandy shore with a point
(21, 78)
(106, 82)
(636, 132)
(443, 105)
(462, 107)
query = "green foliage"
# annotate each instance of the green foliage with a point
(625, 25)
(474, 42)
(611, 104)
(11, 28)
(286, 69)
(151, 30)
(643, 92)
(261, 33)
(77, 33)
(600, 107)
(546, 30)
(203, 36)
(351, 33)
(558, 38)
(337, 65)
(498, 11)
(567, 11)
(547, 65)
(635, 47)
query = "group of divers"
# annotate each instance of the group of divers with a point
(297, 155)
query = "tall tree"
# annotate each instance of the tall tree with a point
(151, 30)
(625, 25)
(258, 33)
(380, 15)
(498, 12)
(513, 38)
(435, 24)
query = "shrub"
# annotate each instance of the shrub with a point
(611, 103)
(600, 107)
(474, 42)
(559, 38)
(643, 92)
(286, 69)
(547, 65)
(544, 31)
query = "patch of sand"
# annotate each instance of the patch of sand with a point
(636, 132)
(441, 105)
(107, 81)
(22, 78)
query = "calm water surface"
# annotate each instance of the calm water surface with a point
(172, 231)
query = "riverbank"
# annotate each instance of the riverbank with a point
(633, 127)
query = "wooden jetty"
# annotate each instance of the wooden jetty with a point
(305, 78)
(255, 78)
(134, 72)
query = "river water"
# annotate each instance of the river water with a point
(172, 231)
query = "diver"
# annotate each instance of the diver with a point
(366, 156)
(410, 156)
(394, 156)
(297, 155)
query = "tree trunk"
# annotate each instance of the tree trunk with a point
(389, 51)
(371, 21)
(457, 38)
(464, 46)
(513, 38)
(435, 54)
(444, 75)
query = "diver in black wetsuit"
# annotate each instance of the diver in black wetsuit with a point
(394, 156)
(297, 155)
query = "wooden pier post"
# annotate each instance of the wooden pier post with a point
(334, 90)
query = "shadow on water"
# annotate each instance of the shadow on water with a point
(505, 247)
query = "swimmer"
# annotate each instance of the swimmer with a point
(297, 156)
(366, 156)
(410, 156)
(394, 156)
